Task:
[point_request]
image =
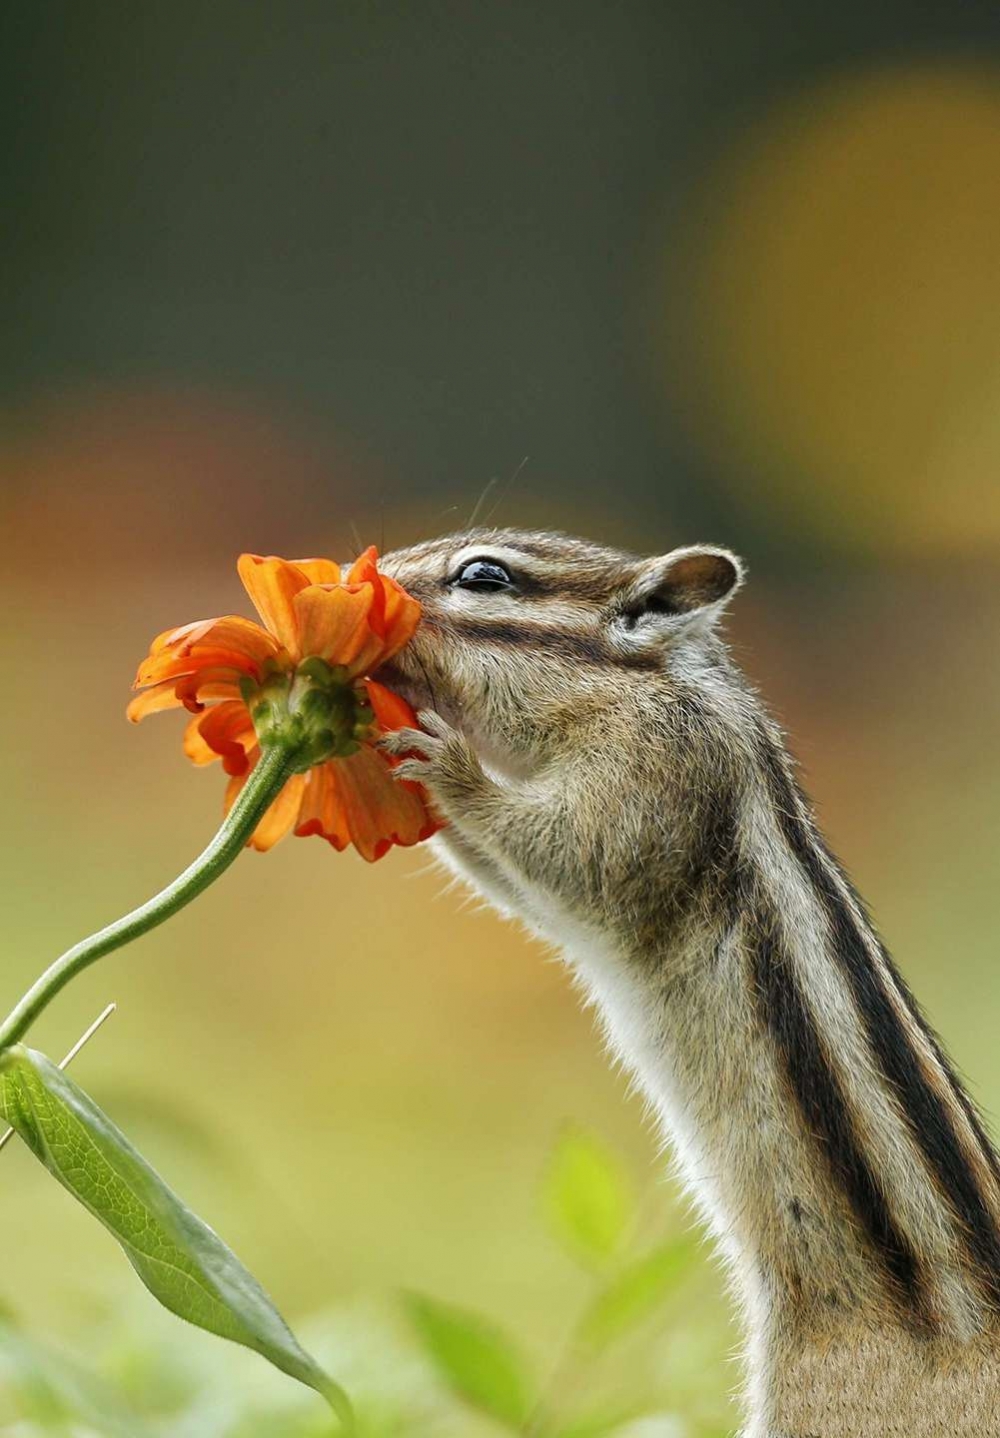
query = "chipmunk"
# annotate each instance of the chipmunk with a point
(609, 777)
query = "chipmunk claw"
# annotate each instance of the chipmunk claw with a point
(436, 755)
(402, 743)
(431, 723)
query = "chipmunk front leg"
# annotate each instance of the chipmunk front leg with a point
(442, 760)
(507, 829)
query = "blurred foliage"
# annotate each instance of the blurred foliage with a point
(588, 1198)
(471, 1367)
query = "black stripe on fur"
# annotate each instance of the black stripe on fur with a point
(900, 1063)
(825, 1111)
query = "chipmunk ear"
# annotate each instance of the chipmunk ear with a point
(688, 584)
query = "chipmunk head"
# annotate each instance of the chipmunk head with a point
(522, 630)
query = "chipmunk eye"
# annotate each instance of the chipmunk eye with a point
(484, 575)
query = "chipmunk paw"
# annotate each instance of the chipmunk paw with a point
(437, 756)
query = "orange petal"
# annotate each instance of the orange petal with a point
(378, 810)
(391, 709)
(195, 747)
(194, 690)
(364, 570)
(319, 571)
(152, 701)
(402, 615)
(190, 633)
(394, 615)
(232, 631)
(332, 621)
(171, 636)
(281, 815)
(167, 665)
(272, 584)
(188, 690)
(392, 607)
(320, 811)
(225, 732)
(228, 642)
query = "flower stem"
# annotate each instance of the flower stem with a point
(258, 793)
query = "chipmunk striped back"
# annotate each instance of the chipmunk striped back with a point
(616, 783)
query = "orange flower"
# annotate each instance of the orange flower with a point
(304, 676)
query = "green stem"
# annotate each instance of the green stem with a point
(258, 793)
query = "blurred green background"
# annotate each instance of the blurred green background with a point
(275, 273)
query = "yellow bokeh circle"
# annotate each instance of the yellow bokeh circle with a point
(832, 311)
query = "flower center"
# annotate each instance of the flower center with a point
(313, 710)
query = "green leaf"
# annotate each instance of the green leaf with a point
(588, 1196)
(474, 1358)
(637, 1291)
(178, 1257)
